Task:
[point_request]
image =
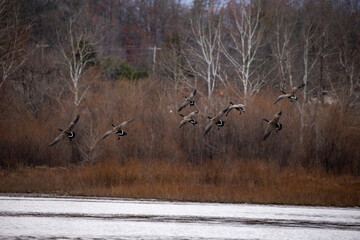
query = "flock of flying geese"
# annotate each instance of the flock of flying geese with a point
(273, 125)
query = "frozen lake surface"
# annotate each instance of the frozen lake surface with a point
(105, 218)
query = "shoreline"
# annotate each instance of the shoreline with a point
(49, 195)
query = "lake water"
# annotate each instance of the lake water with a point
(105, 218)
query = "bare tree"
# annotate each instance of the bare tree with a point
(246, 34)
(88, 147)
(351, 76)
(314, 46)
(172, 62)
(348, 54)
(13, 36)
(309, 36)
(77, 54)
(283, 46)
(203, 52)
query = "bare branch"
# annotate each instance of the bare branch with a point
(245, 35)
(77, 54)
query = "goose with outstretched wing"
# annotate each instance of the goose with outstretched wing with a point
(118, 130)
(239, 107)
(189, 118)
(67, 132)
(215, 121)
(273, 125)
(188, 100)
(290, 95)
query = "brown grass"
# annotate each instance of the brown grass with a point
(214, 181)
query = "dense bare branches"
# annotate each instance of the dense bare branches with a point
(202, 50)
(283, 45)
(77, 54)
(14, 32)
(246, 32)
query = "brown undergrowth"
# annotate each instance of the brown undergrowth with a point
(214, 181)
(314, 135)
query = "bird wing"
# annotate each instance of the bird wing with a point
(182, 123)
(192, 114)
(106, 134)
(240, 105)
(221, 113)
(277, 117)
(294, 89)
(281, 97)
(124, 124)
(268, 131)
(208, 127)
(228, 109)
(183, 105)
(57, 139)
(72, 124)
(192, 95)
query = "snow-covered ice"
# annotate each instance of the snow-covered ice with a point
(90, 218)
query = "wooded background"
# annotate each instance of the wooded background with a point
(113, 60)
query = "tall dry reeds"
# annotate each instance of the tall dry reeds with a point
(314, 135)
(213, 181)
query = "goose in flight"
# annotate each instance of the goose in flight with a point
(189, 118)
(240, 107)
(215, 121)
(290, 95)
(273, 125)
(188, 100)
(117, 129)
(66, 132)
